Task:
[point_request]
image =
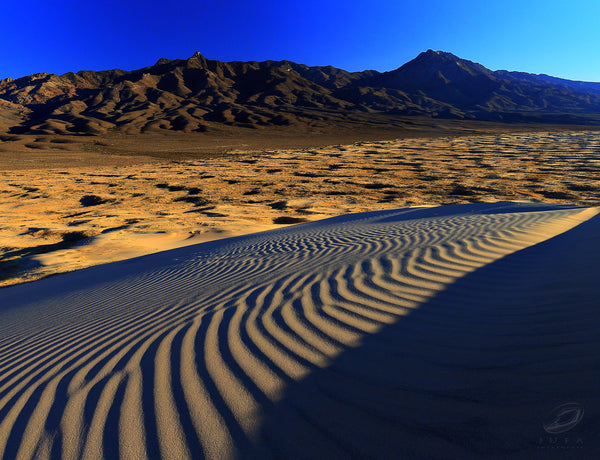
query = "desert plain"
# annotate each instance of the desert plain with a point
(90, 207)
(417, 297)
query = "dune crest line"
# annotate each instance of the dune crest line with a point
(182, 354)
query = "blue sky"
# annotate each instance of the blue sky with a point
(560, 38)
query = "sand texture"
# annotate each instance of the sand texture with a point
(431, 332)
(61, 219)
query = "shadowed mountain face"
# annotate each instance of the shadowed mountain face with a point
(199, 94)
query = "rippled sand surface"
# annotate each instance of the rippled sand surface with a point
(436, 332)
(57, 220)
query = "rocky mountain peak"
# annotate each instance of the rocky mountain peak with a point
(198, 94)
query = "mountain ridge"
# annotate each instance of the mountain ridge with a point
(198, 94)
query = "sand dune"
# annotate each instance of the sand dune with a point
(57, 220)
(442, 332)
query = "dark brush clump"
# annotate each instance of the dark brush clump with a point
(288, 220)
(74, 237)
(91, 200)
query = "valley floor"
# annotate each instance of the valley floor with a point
(57, 219)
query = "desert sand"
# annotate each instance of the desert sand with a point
(67, 209)
(426, 332)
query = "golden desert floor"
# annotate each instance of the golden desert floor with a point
(427, 332)
(90, 208)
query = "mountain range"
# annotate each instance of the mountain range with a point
(198, 94)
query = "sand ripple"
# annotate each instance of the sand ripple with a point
(244, 347)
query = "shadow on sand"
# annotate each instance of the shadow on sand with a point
(475, 372)
(15, 263)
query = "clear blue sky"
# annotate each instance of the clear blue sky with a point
(560, 38)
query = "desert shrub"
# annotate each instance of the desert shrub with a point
(288, 220)
(73, 237)
(91, 200)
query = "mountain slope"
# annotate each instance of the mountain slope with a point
(470, 87)
(197, 94)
